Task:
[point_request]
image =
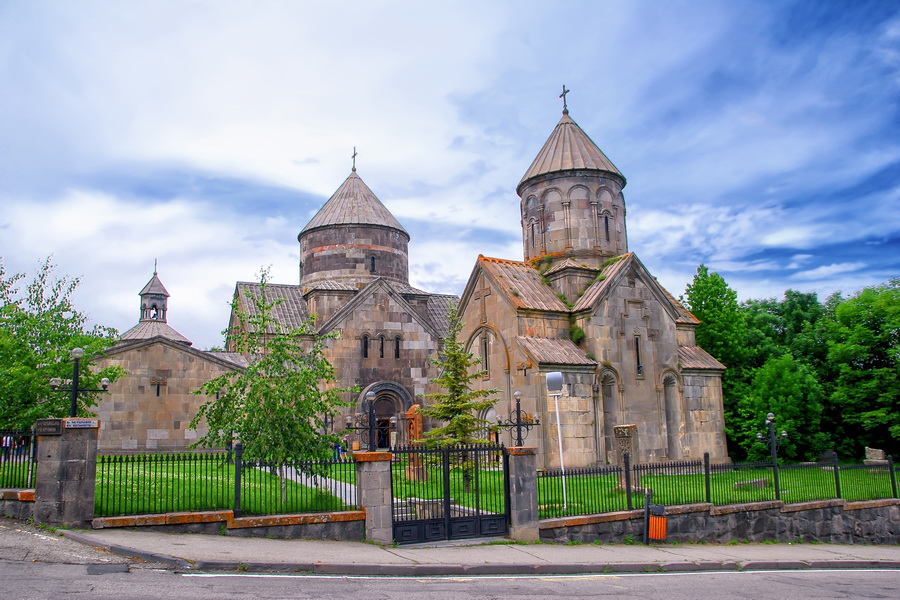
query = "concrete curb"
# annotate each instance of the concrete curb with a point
(87, 540)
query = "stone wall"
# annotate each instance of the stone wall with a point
(830, 521)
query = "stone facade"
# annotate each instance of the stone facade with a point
(152, 406)
(581, 304)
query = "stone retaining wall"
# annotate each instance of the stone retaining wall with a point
(834, 521)
(17, 504)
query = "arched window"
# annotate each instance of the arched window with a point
(381, 346)
(397, 347)
(606, 226)
(486, 355)
(365, 346)
(533, 233)
(371, 264)
(639, 366)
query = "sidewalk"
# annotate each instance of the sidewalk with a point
(200, 552)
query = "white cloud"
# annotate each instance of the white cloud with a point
(828, 271)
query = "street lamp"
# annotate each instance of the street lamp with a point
(56, 384)
(366, 422)
(521, 421)
(773, 440)
(554, 388)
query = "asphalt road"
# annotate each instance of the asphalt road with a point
(36, 563)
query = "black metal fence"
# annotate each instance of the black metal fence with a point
(17, 459)
(191, 482)
(614, 488)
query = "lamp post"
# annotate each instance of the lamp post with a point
(366, 422)
(521, 421)
(773, 440)
(554, 388)
(56, 384)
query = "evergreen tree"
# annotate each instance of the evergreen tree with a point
(458, 406)
(39, 326)
(277, 406)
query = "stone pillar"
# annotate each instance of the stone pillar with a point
(523, 495)
(66, 472)
(627, 441)
(373, 493)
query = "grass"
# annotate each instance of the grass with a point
(140, 486)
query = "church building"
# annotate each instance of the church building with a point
(581, 304)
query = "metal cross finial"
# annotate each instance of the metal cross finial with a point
(563, 96)
(353, 156)
(155, 261)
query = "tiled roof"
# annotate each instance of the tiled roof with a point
(353, 204)
(695, 357)
(568, 148)
(154, 286)
(554, 351)
(331, 285)
(684, 315)
(291, 312)
(522, 284)
(599, 288)
(569, 263)
(439, 312)
(238, 360)
(147, 329)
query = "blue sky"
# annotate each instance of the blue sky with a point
(759, 138)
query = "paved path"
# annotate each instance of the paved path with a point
(214, 552)
(342, 489)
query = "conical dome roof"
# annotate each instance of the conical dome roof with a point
(568, 148)
(155, 287)
(353, 204)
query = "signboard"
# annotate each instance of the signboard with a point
(48, 427)
(72, 423)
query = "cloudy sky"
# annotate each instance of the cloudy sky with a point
(759, 138)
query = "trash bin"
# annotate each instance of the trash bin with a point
(656, 522)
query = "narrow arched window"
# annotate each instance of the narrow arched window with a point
(397, 347)
(533, 234)
(486, 353)
(365, 346)
(381, 340)
(371, 264)
(637, 356)
(606, 226)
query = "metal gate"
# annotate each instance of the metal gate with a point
(449, 493)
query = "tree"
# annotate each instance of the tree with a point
(276, 406)
(39, 326)
(788, 389)
(723, 333)
(864, 352)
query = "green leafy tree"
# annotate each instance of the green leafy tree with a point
(39, 326)
(790, 390)
(863, 341)
(276, 406)
(458, 406)
(723, 333)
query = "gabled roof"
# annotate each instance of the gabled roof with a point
(155, 287)
(366, 292)
(439, 312)
(550, 351)
(353, 204)
(291, 312)
(695, 357)
(149, 328)
(569, 263)
(228, 360)
(520, 282)
(611, 276)
(568, 148)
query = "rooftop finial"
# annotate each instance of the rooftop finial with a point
(155, 261)
(353, 156)
(563, 96)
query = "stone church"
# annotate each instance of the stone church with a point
(581, 304)
(151, 407)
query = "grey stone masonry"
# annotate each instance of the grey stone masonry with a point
(523, 510)
(373, 484)
(66, 474)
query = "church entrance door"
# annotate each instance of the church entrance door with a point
(449, 493)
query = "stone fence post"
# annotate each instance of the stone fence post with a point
(523, 495)
(66, 471)
(373, 489)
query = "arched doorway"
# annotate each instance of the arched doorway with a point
(390, 403)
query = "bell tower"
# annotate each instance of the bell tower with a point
(154, 300)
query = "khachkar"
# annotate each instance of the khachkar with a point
(415, 469)
(627, 443)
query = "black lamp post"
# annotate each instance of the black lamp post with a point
(56, 384)
(773, 440)
(366, 422)
(521, 421)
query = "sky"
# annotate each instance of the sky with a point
(761, 139)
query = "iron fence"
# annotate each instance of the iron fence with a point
(191, 482)
(18, 458)
(613, 488)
